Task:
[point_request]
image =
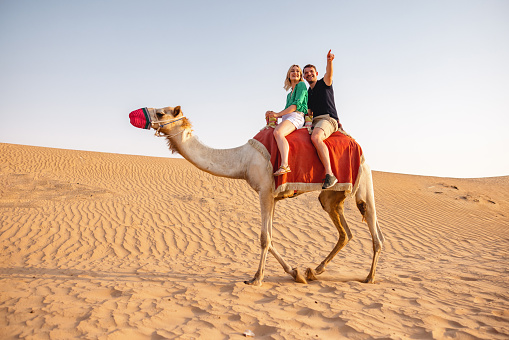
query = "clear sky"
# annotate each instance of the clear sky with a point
(423, 86)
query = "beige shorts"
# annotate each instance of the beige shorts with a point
(326, 123)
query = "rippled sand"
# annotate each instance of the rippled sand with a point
(107, 246)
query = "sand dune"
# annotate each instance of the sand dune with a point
(106, 246)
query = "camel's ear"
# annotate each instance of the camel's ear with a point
(176, 111)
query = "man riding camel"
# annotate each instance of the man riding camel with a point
(325, 117)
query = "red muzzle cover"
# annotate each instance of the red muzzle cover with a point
(140, 118)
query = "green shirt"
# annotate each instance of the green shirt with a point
(299, 98)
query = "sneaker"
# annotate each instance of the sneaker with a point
(329, 181)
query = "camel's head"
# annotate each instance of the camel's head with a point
(161, 120)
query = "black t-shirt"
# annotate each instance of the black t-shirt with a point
(321, 100)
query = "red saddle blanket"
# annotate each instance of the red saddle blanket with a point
(307, 172)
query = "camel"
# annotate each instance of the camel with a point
(247, 163)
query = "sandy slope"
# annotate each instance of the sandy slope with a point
(109, 246)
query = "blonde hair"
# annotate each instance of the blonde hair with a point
(288, 83)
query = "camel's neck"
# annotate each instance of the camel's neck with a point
(219, 162)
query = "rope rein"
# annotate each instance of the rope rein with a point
(158, 132)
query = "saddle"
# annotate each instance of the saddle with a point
(307, 170)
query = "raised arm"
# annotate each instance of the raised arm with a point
(327, 78)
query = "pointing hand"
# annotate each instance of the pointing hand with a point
(330, 56)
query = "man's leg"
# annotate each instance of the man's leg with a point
(318, 137)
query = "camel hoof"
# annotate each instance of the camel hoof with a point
(254, 282)
(298, 277)
(369, 280)
(311, 275)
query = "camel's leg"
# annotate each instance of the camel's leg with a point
(294, 272)
(267, 211)
(365, 198)
(267, 205)
(332, 202)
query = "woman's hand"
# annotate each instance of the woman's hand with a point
(270, 114)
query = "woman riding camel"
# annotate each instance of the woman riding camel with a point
(292, 116)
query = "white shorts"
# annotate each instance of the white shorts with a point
(296, 118)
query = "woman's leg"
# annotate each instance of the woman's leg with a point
(280, 132)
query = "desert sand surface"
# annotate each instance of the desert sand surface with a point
(108, 246)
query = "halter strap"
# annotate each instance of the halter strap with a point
(158, 133)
